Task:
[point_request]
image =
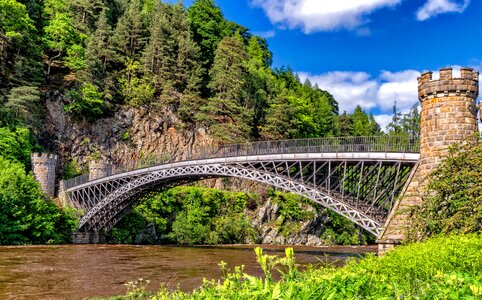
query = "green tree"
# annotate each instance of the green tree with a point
(60, 33)
(20, 59)
(453, 198)
(85, 13)
(16, 145)
(228, 112)
(135, 86)
(25, 217)
(130, 34)
(171, 58)
(395, 127)
(411, 121)
(260, 82)
(24, 105)
(208, 27)
(87, 103)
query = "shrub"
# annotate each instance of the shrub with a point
(441, 268)
(454, 195)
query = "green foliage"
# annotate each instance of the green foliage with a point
(75, 57)
(128, 228)
(15, 22)
(23, 106)
(228, 114)
(341, 231)
(453, 201)
(87, 103)
(135, 87)
(442, 268)
(405, 124)
(16, 145)
(192, 215)
(19, 47)
(25, 217)
(298, 110)
(72, 169)
(208, 27)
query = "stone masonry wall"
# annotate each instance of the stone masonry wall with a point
(448, 116)
(43, 167)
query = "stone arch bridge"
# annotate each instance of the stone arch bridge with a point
(359, 178)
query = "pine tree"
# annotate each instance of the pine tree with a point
(172, 57)
(260, 81)
(411, 122)
(344, 124)
(85, 14)
(99, 52)
(208, 27)
(130, 34)
(395, 127)
(159, 56)
(228, 112)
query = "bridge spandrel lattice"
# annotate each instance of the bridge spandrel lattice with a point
(363, 189)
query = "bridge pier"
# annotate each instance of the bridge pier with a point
(88, 238)
(448, 116)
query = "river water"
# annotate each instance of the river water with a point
(83, 271)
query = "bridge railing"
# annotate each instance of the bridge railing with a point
(394, 144)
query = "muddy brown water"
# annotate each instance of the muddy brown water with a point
(83, 271)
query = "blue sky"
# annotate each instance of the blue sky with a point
(366, 52)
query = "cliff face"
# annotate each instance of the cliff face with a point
(130, 134)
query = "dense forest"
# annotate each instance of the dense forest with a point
(109, 55)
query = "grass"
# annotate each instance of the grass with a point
(440, 268)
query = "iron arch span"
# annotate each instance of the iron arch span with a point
(359, 186)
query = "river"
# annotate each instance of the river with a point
(82, 271)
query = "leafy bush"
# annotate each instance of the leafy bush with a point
(87, 103)
(454, 195)
(16, 145)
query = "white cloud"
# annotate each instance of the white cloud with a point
(399, 86)
(321, 15)
(359, 88)
(373, 94)
(383, 121)
(431, 8)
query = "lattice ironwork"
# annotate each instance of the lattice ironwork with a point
(361, 190)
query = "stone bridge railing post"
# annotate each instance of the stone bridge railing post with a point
(448, 116)
(99, 168)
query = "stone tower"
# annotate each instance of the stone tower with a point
(99, 168)
(43, 167)
(448, 116)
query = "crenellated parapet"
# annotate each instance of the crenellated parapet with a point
(44, 167)
(467, 84)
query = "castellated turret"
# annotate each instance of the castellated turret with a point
(43, 167)
(99, 168)
(448, 114)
